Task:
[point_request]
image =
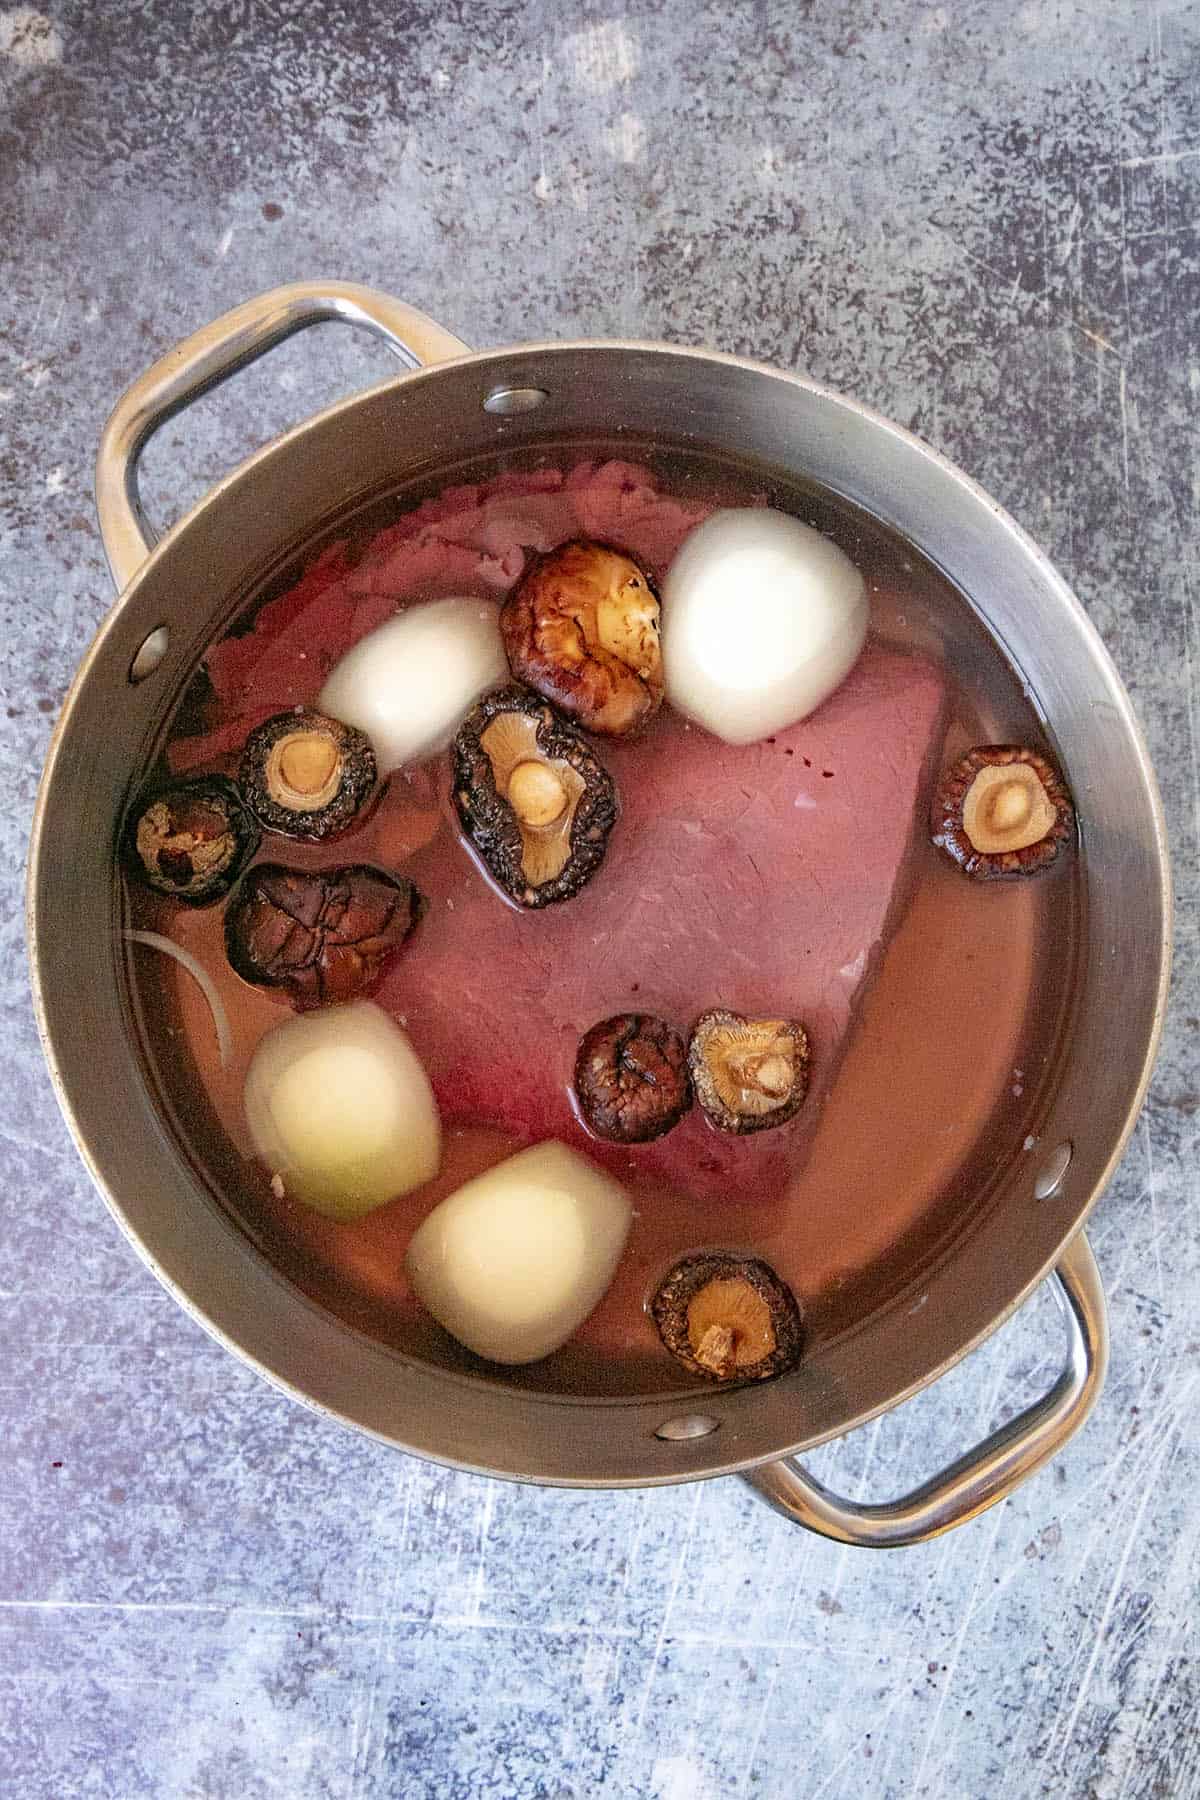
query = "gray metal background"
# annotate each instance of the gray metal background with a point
(982, 220)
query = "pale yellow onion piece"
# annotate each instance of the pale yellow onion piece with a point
(341, 1109)
(410, 683)
(762, 618)
(513, 1262)
(204, 981)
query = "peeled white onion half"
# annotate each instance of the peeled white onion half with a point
(340, 1108)
(762, 617)
(513, 1262)
(410, 683)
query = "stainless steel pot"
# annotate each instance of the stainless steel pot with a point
(176, 597)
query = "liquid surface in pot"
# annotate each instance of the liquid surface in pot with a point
(792, 877)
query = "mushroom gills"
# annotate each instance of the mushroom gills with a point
(582, 628)
(728, 1317)
(307, 775)
(1002, 810)
(1006, 808)
(627, 627)
(544, 793)
(167, 840)
(532, 797)
(748, 1074)
(302, 770)
(729, 1326)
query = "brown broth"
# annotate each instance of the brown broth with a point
(943, 1078)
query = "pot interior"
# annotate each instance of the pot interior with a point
(916, 1225)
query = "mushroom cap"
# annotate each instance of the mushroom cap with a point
(728, 1318)
(748, 1074)
(307, 775)
(323, 934)
(545, 836)
(582, 627)
(631, 1078)
(1002, 810)
(190, 838)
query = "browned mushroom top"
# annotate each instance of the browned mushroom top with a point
(728, 1318)
(324, 935)
(748, 1074)
(1002, 810)
(582, 628)
(190, 838)
(305, 774)
(631, 1078)
(532, 797)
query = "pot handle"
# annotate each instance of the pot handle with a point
(209, 357)
(986, 1474)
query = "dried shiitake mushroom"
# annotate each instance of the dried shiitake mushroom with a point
(631, 1078)
(324, 935)
(728, 1318)
(1002, 810)
(581, 627)
(191, 838)
(532, 797)
(748, 1074)
(305, 774)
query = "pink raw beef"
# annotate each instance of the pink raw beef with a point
(468, 540)
(760, 878)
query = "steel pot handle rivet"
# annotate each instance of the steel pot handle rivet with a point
(506, 401)
(1048, 1184)
(150, 654)
(992, 1470)
(686, 1427)
(202, 361)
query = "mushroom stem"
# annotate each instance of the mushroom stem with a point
(1007, 808)
(306, 763)
(1010, 807)
(771, 1074)
(306, 775)
(536, 794)
(715, 1351)
(748, 1074)
(729, 1318)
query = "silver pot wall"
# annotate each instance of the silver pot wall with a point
(177, 596)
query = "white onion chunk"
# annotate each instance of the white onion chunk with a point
(762, 618)
(340, 1108)
(513, 1262)
(410, 683)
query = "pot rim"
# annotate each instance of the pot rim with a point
(505, 357)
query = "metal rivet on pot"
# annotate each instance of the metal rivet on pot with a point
(515, 399)
(691, 1425)
(153, 649)
(1050, 1180)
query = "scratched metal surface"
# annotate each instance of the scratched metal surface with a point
(985, 221)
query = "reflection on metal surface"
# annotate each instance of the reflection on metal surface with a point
(692, 1425)
(984, 1475)
(1049, 1182)
(209, 357)
(152, 651)
(508, 400)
